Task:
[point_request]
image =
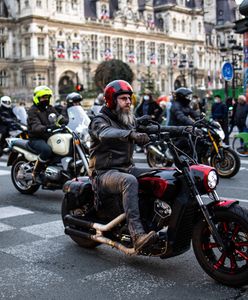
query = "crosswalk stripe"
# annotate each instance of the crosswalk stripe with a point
(46, 230)
(13, 211)
(3, 164)
(3, 172)
(5, 227)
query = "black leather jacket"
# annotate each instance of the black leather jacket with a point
(182, 115)
(38, 122)
(110, 147)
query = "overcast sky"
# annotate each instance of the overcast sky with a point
(238, 1)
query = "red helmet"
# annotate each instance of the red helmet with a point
(114, 89)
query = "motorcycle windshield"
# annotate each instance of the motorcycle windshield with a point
(77, 118)
(21, 114)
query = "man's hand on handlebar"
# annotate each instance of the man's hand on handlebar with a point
(139, 138)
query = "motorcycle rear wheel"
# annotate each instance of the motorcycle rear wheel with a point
(227, 167)
(156, 162)
(228, 266)
(23, 186)
(85, 243)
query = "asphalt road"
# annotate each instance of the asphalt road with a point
(37, 261)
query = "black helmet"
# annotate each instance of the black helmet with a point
(183, 95)
(73, 98)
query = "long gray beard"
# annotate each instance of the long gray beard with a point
(125, 118)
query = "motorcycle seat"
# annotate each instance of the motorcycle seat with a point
(24, 144)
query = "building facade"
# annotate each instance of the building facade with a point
(60, 43)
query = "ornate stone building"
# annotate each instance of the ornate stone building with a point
(60, 42)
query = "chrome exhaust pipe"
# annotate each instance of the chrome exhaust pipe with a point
(155, 151)
(70, 220)
(100, 239)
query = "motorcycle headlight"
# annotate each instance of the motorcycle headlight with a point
(221, 133)
(212, 179)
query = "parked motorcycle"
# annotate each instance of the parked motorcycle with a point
(210, 150)
(17, 128)
(171, 203)
(69, 160)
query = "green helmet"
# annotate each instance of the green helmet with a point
(41, 91)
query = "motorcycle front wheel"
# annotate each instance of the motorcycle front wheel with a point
(23, 185)
(227, 166)
(82, 242)
(228, 266)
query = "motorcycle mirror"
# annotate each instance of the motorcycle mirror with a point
(52, 118)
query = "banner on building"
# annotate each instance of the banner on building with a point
(108, 54)
(75, 53)
(131, 57)
(60, 51)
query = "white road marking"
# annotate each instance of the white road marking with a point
(3, 164)
(37, 251)
(13, 211)
(126, 282)
(3, 172)
(5, 227)
(46, 230)
(20, 281)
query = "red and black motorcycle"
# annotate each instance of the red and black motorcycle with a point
(181, 204)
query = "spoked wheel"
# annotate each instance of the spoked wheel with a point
(21, 175)
(77, 212)
(227, 166)
(240, 147)
(155, 161)
(228, 266)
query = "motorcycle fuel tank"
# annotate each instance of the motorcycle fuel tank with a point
(60, 143)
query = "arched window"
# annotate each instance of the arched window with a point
(3, 78)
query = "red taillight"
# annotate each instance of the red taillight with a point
(157, 185)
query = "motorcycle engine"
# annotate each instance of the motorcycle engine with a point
(53, 174)
(162, 211)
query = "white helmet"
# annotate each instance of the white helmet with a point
(5, 101)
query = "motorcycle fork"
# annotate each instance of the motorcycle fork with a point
(208, 218)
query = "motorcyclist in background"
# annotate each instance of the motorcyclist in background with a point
(70, 112)
(39, 127)
(6, 116)
(97, 106)
(181, 113)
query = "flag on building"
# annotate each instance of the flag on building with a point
(153, 59)
(131, 57)
(75, 53)
(104, 15)
(108, 54)
(209, 78)
(60, 51)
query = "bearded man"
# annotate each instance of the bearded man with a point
(111, 163)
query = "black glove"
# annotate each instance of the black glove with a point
(139, 138)
(60, 119)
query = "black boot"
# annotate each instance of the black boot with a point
(38, 168)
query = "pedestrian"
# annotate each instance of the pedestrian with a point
(241, 114)
(219, 113)
(149, 106)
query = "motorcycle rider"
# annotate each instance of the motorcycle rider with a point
(111, 155)
(74, 99)
(39, 128)
(181, 113)
(6, 116)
